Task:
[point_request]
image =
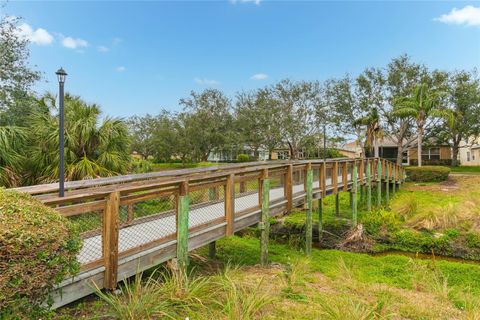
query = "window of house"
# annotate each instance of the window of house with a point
(431, 153)
(434, 153)
(468, 155)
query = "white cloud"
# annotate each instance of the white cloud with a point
(103, 49)
(468, 15)
(257, 2)
(259, 76)
(204, 81)
(39, 36)
(121, 69)
(72, 43)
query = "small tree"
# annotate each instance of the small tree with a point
(423, 103)
(462, 117)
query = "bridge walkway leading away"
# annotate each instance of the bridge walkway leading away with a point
(134, 222)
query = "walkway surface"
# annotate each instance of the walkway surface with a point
(144, 233)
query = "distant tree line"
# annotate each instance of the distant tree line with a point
(404, 99)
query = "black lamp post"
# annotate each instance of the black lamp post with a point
(61, 75)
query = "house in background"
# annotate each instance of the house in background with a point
(470, 154)
(432, 153)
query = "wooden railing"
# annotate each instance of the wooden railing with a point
(130, 223)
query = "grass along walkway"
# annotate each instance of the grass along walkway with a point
(331, 284)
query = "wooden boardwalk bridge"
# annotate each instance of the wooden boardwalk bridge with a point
(134, 222)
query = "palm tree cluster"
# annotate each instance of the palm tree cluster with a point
(94, 147)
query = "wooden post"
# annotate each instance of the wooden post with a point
(320, 219)
(394, 179)
(322, 180)
(361, 170)
(379, 184)
(308, 222)
(264, 224)
(387, 184)
(110, 240)
(230, 204)
(243, 187)
(212, 246)
(369, 186)
(345, 176)
(288, 189)
(182, 226)
(337, 206)
(354, 196)
(130, 213)
(335, 177)
(212, 249)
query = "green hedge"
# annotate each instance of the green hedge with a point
(38, 249)
(243, 157)
(427, 173)
(441, 162)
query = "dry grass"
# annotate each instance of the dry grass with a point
(453, 204)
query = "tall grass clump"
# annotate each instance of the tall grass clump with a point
(138, 299)
(240, 300)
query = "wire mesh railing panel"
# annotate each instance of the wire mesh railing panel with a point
(206, 205)
(247, 195)
(298, 180)
(146, 221)
(277, 185)
(90, 226)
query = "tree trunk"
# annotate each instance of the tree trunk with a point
(455, 148)
(293, 151)
(399, 152)
(419, 145)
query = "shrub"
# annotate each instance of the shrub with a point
(439, 162)
(140, 166)
(243, 157)
(38, 249)
(427, 173)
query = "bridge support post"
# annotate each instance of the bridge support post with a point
(320, 219)
(230, 205)
(354, 195)
(264, 224)
(369, 186)
(387, 184)
(288, 188)
(337, 206)
(212, 246)
(182, 226)
(379, 184)
(110, 240)
(394, 179)
(308, 222)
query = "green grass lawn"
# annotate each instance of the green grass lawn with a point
(330, 284)
(177, 165)
(466, 169)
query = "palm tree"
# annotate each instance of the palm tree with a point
(422, 104)
(12, 142)
(93, 148)
(373, 129)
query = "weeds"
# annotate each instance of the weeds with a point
(139, 299)
(239, 301)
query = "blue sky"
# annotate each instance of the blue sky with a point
(139, 57)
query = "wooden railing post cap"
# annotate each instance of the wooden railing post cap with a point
(183, 188)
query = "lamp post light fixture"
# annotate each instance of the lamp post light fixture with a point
(324, 142)
(61, 75)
